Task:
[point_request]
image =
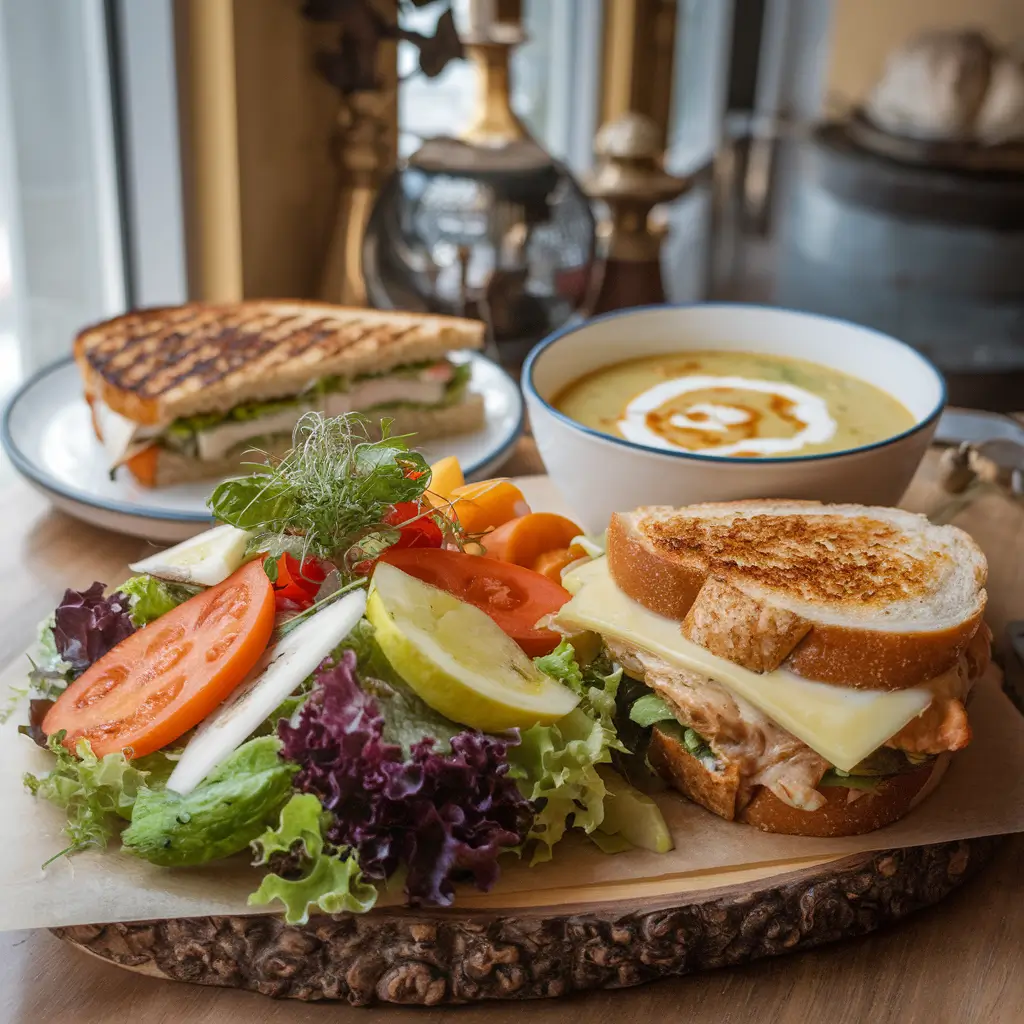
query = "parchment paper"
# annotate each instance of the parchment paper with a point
(982, 794)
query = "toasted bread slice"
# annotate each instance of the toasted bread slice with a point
(165, 468)
(876, 598)
(718, 791)
(155, 365)
(715, 790)
(893, 798)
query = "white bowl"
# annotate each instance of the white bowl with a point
(598, 475)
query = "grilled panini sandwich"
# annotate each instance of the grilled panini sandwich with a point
(808, 665)
(181, 393)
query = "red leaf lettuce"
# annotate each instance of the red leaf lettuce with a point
(445, 817)
(87, 625)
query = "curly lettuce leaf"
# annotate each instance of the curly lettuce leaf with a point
(94, 792)
(555, 767)
(218, 818)
(445, 817)
(331, 881)
(149, 598)
(597, 684)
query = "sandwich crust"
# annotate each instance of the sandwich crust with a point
(718, 791)
(893, 798)
(760, 583)
(154, 365)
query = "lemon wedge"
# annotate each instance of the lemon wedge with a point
(457, 659)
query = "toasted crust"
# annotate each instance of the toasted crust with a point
(711, 621)
(664, 586)
(888, 803)
(753, 626)
(717, 791)
(871, 660)
(154, 365)
(174, 468)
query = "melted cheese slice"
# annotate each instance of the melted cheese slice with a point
(842, 724)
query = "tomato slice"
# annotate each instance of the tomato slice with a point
(416, 528)
(515, 597)
(297, 584)
(166, 678)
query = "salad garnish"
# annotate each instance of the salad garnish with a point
(243, 695)
(341, 495)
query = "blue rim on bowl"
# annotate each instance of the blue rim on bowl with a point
(539, 349)
(31, 471)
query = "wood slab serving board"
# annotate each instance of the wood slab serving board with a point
(614, 933)
(436, 957)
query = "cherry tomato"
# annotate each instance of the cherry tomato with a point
(416, 528)
(166, 678)
(515, 597)
(296, 585)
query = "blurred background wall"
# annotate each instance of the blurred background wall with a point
(865, 31)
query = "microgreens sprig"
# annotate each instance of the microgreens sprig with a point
(330, 494)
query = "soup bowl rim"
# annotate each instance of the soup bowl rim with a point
(542, 346)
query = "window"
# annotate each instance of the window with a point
(554, 78)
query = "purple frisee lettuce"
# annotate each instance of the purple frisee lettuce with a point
(445, 817)
(87, 625)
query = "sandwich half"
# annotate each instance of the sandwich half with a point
(808, 665)
(182, 393)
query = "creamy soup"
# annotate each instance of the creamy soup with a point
(737, 404)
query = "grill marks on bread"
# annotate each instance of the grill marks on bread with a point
(840, 560)
(156, 365)
(186, 348)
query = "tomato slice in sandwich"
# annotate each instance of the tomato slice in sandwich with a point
(164, 679)
(516, 598)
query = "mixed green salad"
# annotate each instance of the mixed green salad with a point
(341, 682)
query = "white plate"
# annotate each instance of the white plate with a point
(48, 435)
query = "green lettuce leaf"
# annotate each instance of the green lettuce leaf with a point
(49, 675)
(561, 664)
(188, 426)
(94, 792)
(331, 881)
(149, 598)
(254, 502)
(868, 783)
(556, 766)
(218, 818)
(692, 741)
(456, 387)
(596, 684)
(650, 710)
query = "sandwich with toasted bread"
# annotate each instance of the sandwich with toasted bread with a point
(182, 393)
(806, 668)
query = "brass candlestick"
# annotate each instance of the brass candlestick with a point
(494, 123)
(364, 149)
(631, 181)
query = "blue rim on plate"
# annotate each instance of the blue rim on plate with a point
(538, 350)
(31, 471)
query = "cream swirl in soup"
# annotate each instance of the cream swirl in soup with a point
(734, 404)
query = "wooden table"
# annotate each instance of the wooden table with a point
(957, 963)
